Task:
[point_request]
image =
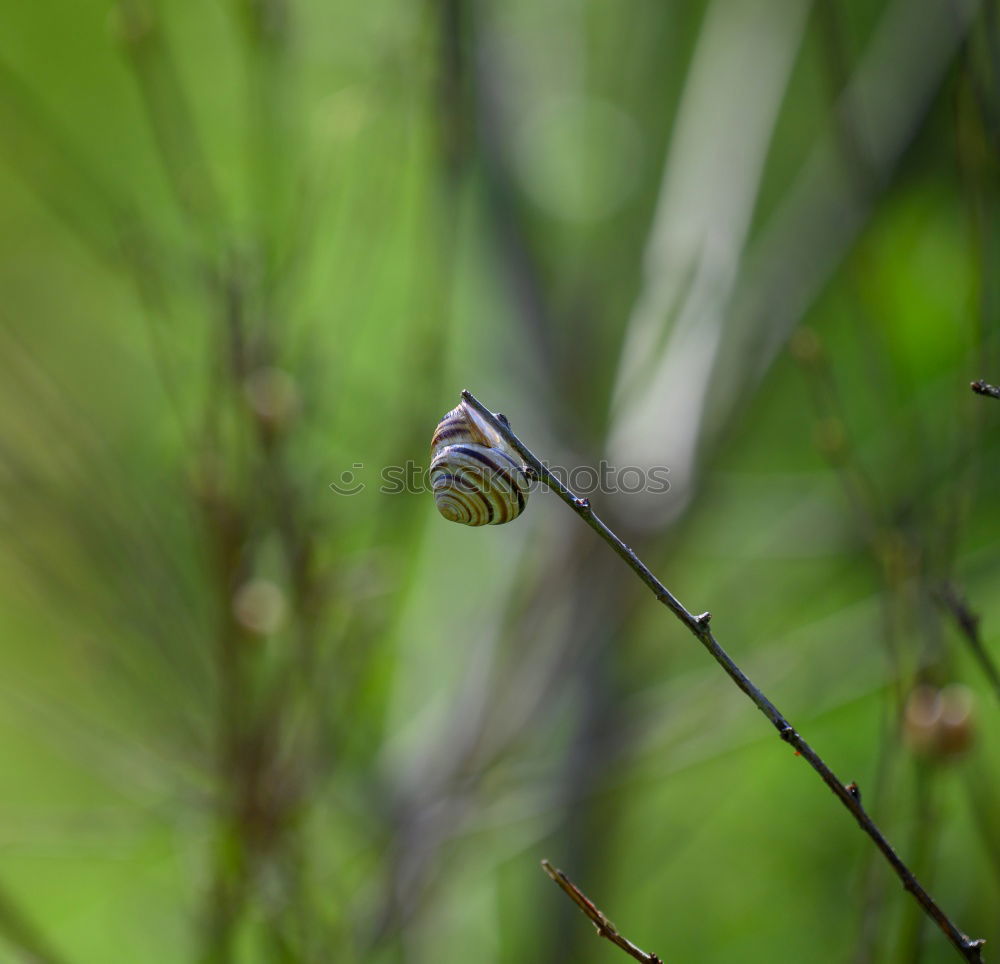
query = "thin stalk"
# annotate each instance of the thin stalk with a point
(968, 625)
(604, 927)
(698, 626)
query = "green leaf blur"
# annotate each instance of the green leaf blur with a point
(250, 253)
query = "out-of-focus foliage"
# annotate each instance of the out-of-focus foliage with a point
(254, 247)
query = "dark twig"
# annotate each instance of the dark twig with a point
(604, 927)
(984, 388)
(698, 626)
(968, 624)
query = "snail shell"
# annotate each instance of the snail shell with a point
(476, 477)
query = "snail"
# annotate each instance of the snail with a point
(476, 477)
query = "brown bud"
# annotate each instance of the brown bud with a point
(957, 728)
(938, 723)
(259, 606)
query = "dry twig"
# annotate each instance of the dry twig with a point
(604, 927)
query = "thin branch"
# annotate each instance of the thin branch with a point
(698, 626)
(604, 927)
(968, 624)
(984, 388)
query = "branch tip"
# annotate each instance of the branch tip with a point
(604, 927)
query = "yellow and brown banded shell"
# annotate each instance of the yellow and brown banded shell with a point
(476, 477)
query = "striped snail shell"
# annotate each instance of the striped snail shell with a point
(476, 477)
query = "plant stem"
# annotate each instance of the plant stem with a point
(698, 626)
(968, 624)
(604, 927)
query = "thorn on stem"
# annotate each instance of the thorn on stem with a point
(703, 620)
(583, 504)
(854, 790)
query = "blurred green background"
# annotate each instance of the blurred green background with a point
(251, 245)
